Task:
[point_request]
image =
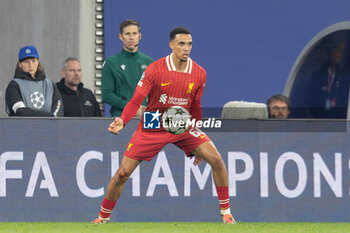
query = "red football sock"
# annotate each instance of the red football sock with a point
(223, 196)
(106, 208)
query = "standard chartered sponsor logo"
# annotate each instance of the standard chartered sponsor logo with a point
(172, 100)
(178, 101)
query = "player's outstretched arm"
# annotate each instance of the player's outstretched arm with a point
(116, 125)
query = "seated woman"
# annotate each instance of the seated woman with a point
(30, 93)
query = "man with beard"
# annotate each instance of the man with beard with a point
(278, 107)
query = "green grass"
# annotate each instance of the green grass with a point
(171, 227)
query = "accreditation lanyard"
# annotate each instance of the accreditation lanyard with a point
(331, 77)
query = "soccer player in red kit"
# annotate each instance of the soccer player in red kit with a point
(174, 80)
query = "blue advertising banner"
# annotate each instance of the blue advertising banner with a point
(58, 170)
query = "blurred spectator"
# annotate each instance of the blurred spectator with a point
(122, 71)
(278, 107)
(30, 93)
(327, 95)
(78, 101)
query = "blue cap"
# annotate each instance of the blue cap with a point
(27, 51)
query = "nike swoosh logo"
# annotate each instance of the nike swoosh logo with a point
(164, 84)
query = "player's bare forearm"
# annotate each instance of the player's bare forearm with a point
(116, 126)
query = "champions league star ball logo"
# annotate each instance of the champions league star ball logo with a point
(37, 100)
(176, 120)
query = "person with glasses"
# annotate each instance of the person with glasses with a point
(278, 106)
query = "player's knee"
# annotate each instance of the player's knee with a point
(121, 175)
(216, 162)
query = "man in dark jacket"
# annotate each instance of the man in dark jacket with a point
(78, 101)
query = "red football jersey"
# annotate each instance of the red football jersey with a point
(166, 87)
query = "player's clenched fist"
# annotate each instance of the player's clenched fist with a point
(116, 125)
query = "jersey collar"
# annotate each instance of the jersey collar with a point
(171, 66)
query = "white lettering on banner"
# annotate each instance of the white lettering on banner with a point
(264, 175)
(80, 174)
(279, 175)
(323, 174)
(114, 162)
(334, 182)
(232, 173)
(168, 180)
(41, 163)
(9, 174)
(135, 176)
(201, 178)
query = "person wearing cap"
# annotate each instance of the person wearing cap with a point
(30, 93)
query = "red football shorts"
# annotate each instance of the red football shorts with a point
(146, 145)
